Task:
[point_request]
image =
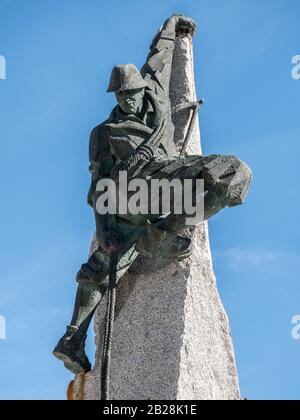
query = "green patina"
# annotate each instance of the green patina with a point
(138, 137)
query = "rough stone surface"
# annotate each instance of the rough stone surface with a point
(172, 337)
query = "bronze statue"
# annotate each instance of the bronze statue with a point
(137, 138)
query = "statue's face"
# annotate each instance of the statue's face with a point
(131, 101)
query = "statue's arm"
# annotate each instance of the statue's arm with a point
(158, 67)
(101, 160)
(101, 163)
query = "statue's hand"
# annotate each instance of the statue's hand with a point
(185, 25)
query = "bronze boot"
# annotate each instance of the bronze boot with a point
(70, 350)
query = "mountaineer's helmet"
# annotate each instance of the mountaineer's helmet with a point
(126, 77)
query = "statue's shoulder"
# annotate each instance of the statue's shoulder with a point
(99, 131)
(98, 139)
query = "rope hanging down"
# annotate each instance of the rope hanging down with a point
(110, 316)
(112, 292)
(194, 106)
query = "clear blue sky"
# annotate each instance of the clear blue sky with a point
(59, 56)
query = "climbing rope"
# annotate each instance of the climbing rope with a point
(110, 317)
(194, 106)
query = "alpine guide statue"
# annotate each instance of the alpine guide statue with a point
(137, 139)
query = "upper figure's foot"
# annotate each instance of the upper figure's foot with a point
(185, 26)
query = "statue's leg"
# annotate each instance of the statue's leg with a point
(226, 183)
(93, 281)
(70, 348)
(177, 222)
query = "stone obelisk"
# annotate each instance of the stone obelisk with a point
(172, 337)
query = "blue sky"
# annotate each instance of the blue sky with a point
(59, 56)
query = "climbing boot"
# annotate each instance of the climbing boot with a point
(70, 350)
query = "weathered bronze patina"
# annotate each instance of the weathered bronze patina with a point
(138, 137)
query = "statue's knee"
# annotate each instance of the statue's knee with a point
(238, 186)
(95, 271)
(228, 177)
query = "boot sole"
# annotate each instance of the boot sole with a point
(69, 363)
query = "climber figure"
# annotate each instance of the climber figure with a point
(138, 137)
